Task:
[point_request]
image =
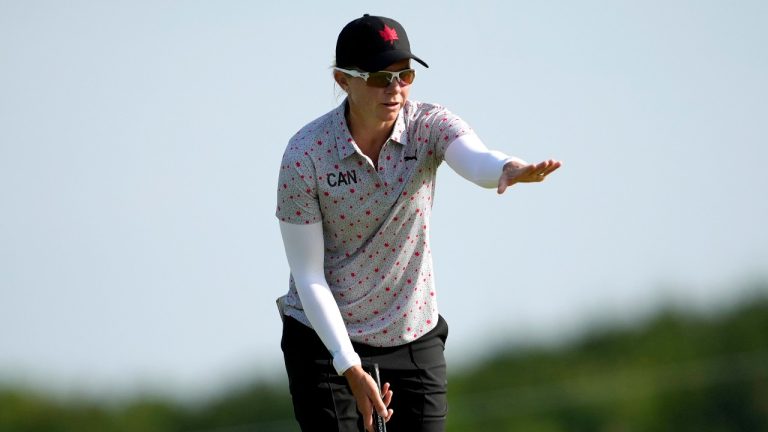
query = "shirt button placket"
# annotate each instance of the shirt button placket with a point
(385, 162)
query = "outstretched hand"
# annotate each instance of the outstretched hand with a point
(518, 172)
(368, 396)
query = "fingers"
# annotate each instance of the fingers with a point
(541, 170)
(549, 167)
(387, 397)
(386, 394)
(378, 403)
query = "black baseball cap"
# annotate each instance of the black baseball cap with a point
(372, 43)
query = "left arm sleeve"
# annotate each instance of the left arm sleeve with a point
(471, 159)
(305, 248)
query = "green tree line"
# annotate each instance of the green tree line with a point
(679, 371)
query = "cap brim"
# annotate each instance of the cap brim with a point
(383, 60)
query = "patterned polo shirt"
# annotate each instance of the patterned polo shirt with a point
(376, 221)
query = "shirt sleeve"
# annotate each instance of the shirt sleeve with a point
(444, 127)
(297, 201)
(471, 159)
(304, 248)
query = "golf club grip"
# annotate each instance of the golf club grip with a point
(378, 423)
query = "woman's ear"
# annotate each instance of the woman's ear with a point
(341, 80)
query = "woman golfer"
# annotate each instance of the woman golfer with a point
(355, 206)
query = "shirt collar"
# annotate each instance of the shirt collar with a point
(346, 144)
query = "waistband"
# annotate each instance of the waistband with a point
(424, 352)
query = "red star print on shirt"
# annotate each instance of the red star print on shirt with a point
(377, 259)
(388, 34)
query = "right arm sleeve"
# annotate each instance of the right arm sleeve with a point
(470, 158)
(305, 249)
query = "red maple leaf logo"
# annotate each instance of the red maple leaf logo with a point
(388, 34)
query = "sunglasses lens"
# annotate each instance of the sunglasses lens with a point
(407, 76)
(378, 79)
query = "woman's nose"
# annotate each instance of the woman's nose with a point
(394, 85)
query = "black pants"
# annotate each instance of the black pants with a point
(322, 400)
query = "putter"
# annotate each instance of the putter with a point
(378, 423)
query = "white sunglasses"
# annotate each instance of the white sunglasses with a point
(382, 79)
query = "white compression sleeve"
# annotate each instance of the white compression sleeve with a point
(305, 249)
(471, 159)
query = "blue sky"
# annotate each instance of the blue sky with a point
(140, 143)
